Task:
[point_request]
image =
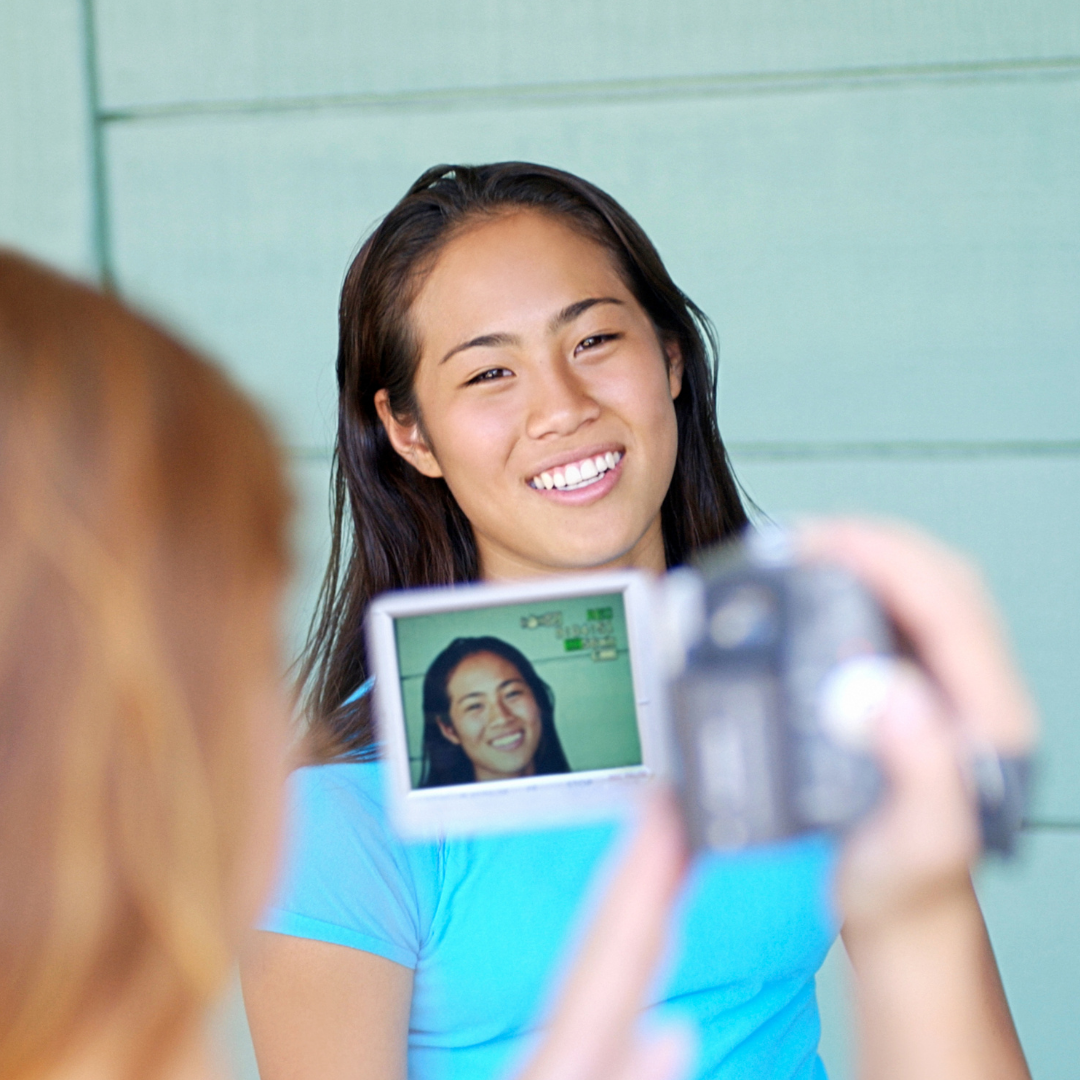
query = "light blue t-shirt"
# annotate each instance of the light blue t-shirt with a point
(487, 927)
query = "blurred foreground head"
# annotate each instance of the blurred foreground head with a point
(143, 519)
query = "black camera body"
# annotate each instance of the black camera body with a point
(771, 702)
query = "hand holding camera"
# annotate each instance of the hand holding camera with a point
(785, 664)
(925, 978)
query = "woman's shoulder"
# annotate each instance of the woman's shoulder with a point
(347, 877)
(337, 781)
(343, 803)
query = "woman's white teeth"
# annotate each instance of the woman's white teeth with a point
(505, 741)
(579, 474)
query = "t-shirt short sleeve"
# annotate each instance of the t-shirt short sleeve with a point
(346, 877)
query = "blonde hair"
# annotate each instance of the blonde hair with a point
(143, 520)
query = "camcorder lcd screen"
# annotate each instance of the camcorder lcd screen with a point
(506, 706)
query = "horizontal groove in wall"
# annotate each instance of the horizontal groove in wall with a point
(846, 451)
(905, 450)
(1051, 826)
(704, 86)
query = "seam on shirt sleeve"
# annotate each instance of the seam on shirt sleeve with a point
(278, 921)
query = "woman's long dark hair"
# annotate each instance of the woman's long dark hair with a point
(394, 528)
(446, 762)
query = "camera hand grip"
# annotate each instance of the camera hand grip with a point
(1001, 788)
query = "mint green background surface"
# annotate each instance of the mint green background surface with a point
(877, 201)
(595, 713)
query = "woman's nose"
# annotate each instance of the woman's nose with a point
(560, 403)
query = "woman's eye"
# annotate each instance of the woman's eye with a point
(490, 375)
(593, 340)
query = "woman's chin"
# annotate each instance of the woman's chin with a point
(571, 558)
(569, 541)
(515, 769)
(622, 544)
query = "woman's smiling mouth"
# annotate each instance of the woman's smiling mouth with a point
(576, 474)
(508, 742)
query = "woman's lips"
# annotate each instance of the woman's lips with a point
(508, 742)
(590, 490)
(576, 475)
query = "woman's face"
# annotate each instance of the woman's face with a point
(546, 400)
(494, 717)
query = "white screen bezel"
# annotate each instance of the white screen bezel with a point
(533, 802)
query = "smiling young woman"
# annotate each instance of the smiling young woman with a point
(398, 522)
(493, 717)
(523, 390)
(536, 359)
(487, 716)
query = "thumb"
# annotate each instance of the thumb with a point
(914, 740)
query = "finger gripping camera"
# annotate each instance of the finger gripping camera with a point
(749, 681)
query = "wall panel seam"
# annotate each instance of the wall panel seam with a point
(913, 449)
(100, 228)
(659, 88)
(903, 450)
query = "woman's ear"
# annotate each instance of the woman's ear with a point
(449, 734)
(673, 352)
(406, 438)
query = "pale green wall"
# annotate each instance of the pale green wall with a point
(878, 202)
(46, 125)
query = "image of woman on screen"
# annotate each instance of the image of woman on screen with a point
(487, 716)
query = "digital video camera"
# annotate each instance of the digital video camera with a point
(748, 681)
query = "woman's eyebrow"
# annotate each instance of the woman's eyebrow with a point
(490, 341)
(558, 321)
(579, 307)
